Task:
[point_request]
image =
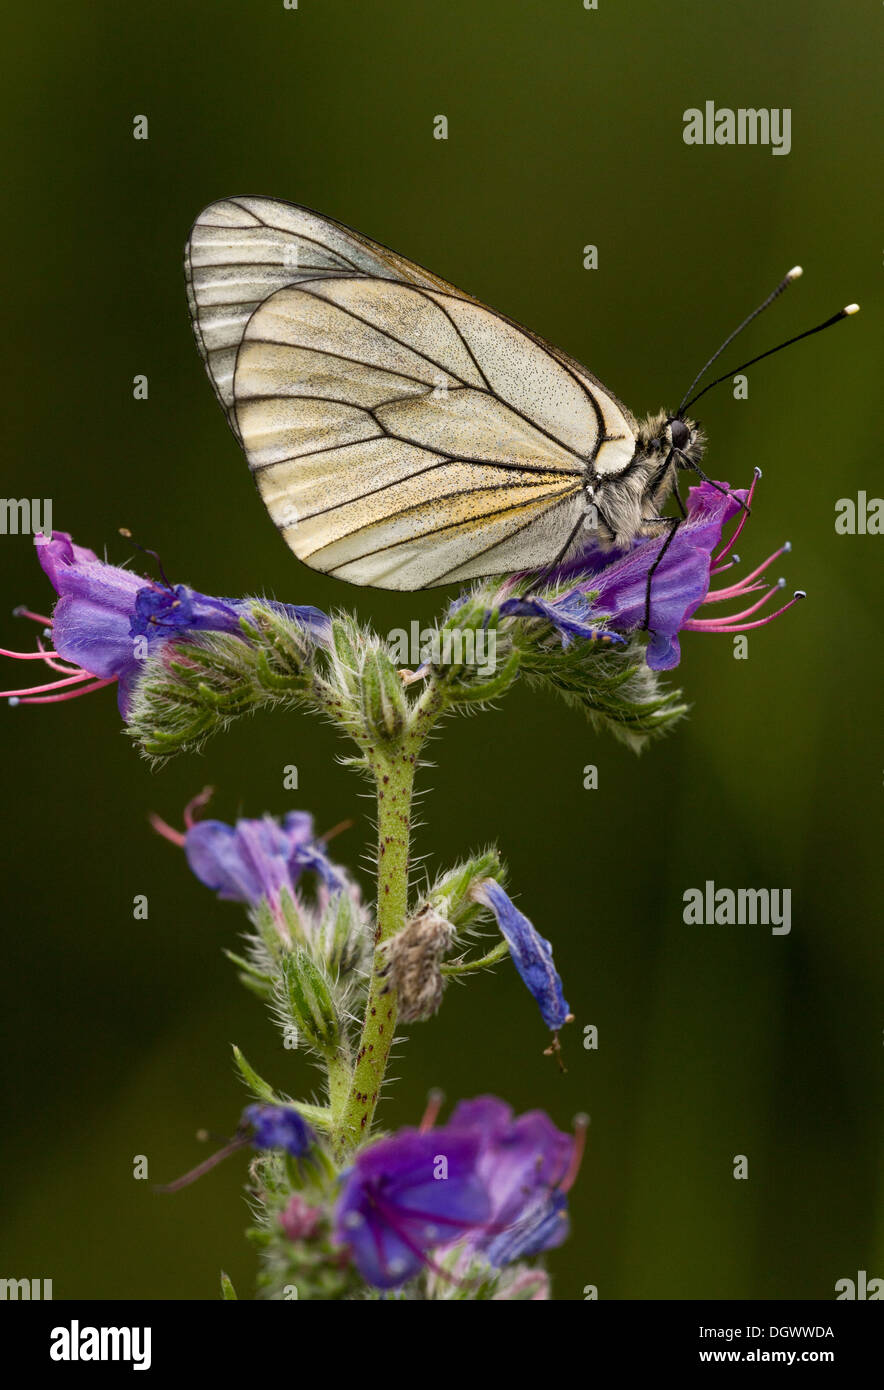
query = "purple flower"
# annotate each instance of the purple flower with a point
(527, 1166)
(491, 1184)
(279, 1127)
(531, 953)
(612, 592)
(407, 1194)
(254, 860)
(107, 620)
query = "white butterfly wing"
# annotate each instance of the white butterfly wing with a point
(405, 436)
(241, 250)
(431, 490)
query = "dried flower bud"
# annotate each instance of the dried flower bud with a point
(412, 963)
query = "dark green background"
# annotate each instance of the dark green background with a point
(565, 129)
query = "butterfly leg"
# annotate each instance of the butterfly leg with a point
(725, 491)
(673, 522)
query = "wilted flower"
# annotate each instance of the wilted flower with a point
(595, 589)
(108, 620)
(412, 964)
(531, 952)
(484, 1179)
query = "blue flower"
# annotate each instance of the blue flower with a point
(103, 610)
(256, 859)
(600, 590)
(279, 1127)
(527, 1165)
(407, 1194)
(531, 953)
(484, 1183)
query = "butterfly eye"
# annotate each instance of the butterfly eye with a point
(679, 433)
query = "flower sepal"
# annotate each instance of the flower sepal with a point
(385, 707)
(342, 941)
(451, 896)
(188, 690)
(469, 655)
(307, 994)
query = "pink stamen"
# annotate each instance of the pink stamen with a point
(28, 656)
(238, 1143)
(37, 617)
(167, 831)
(66, 670)
(435, 1101)
(721, 569)
(702, 625)
(747, 579)
(196, 804)
(581, 1124)
(53, 685)
(68, 694)
(743, 519)
(734, 591)
(338, 829)
(769, 590)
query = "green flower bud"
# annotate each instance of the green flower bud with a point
(309, 998)
(384, 705)
(342, 938)
(450, 894)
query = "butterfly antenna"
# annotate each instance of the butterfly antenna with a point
(794, 274)
(844, 313)
(124, 531)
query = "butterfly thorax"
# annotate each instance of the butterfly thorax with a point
(629, 502)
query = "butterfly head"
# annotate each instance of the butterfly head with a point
(666, 443)
(674, 438)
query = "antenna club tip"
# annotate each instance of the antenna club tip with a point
(850, 309)
(781, 583)
(795, 273)
(735, 559)
(758, 472)
(787, 546)
(800, 593)
(581, 1120)
(12, 701)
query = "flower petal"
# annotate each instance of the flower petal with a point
(531, 953)
(279, 1127)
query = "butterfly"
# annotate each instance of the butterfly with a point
(401, 433)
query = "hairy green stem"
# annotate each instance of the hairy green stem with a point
(393, 769)
(465, 967)
(339, 1073)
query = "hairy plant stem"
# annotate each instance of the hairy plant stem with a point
(393, 768)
